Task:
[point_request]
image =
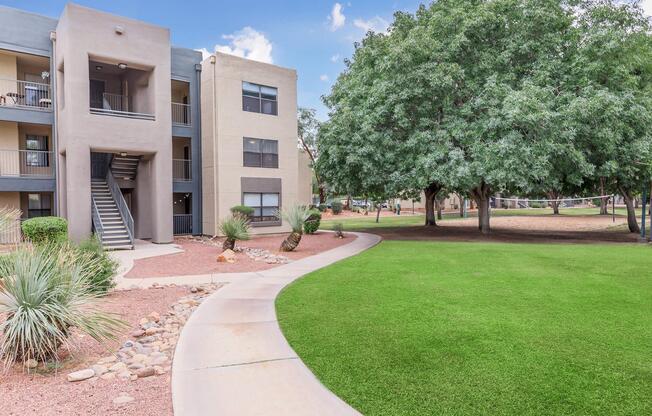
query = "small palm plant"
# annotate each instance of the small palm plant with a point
(44, 295)
(296, 216)
(234, 228)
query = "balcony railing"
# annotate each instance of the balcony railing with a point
(182, 224)
(181, 114)
(25, 94)
(117, 105)
(182, 170)
(26, 163)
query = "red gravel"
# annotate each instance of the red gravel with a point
(201, 258)
(49, 393)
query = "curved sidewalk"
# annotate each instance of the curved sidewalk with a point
(232, 359)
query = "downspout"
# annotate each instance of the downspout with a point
(199, 192)
(213, 115)
(55, 125)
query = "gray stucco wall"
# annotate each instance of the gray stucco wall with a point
(25, 32)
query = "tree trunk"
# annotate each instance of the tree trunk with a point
(431, 193)
(554, 204)
(322, 194)
(438, 208)
(348, 202)
(380, 206)
(481, 196)
(604, 202)
(228, 244)
(462, 203)
(632, 223)
(291, 242)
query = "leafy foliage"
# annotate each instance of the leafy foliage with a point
(242, 210)
(45, 230)
(45, 293)
(295, 215)
(312, 222)
(101, 280)
(336, 207)
(234, 228)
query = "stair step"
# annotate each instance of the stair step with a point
(121, 247)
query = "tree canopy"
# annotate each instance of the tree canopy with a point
(478, 97)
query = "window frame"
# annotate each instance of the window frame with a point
(259, 97)
(38, 158)
(260, 154)
(264, 219)
(41, 211)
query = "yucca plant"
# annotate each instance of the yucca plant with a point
(235, 227)
(296, 216)
(44, 295)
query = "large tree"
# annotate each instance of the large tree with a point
(308, 126)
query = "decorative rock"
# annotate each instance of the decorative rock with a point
(118, 367)
(81, 375)
(31, 363)
(123, 399)
(107, 360)
(227, 256)
(145, 372)
(136, 366)
(152, 330)
(99, 369)
(138, 333)
(124, 375)
(108, 376)
(154, 317)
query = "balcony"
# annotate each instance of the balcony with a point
(182, 224)
(181, 114)
(25, 94)
(182, 170)
(120, 91)
(26, 164)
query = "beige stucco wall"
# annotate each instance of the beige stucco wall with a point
(84, 33)
(10, 199)
(9, 140)
(225, 124)
(8, 71)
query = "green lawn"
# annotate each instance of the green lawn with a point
(421, 328)
(362, 223)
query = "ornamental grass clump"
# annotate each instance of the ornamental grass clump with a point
(45, 293)
(296, 216)
(234, 228)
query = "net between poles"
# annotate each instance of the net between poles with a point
(525, 203)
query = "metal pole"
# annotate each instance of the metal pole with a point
(644, 211)
(613, 208)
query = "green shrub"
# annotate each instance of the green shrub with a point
(295, 216)
(312, 223)
(44, 295)
(242, 210)
(44, 230)
(102, 279)
(234, 228)
(322, 207)
(336, 207)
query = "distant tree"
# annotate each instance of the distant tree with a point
(308, 134)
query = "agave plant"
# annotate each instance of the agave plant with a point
(296, 216)
(44, 295)
(234, 228)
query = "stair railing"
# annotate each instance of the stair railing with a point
(121, 204)
(98, 227)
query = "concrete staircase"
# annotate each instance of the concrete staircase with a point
(124, 167)
(115, 235)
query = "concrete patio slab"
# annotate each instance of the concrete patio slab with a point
(232, 359)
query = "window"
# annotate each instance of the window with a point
(260, 153)
(39, 205)
(265, 206)
(259, 99)
(37, 154)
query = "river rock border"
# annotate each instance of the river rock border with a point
(150, 349)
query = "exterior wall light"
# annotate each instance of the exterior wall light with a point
(122, 66)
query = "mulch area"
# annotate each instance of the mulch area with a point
(534, 229)
(49, 393)
(201, 258)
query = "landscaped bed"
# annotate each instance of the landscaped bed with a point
(200, 256)
(47, 391)
(423, 328)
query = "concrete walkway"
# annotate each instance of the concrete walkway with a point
(231, 357)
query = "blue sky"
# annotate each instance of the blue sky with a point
(311, 36)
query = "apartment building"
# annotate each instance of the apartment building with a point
(104, 123)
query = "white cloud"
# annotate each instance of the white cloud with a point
(323, 77)
(245, 43)
(646, 5)
(376, 24)
(336, 17)
(335, 57)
